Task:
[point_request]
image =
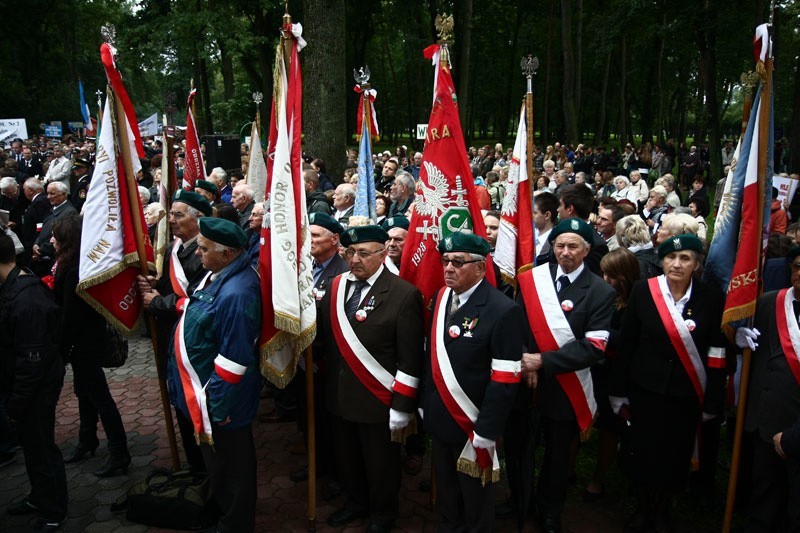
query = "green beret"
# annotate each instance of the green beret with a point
(460, 241)
(573, 225)
(359, 234)
(81, 162)
(206, 186)
(677, 243)
(326, 221)
(193, 199)
(398, 221)
(793, 252)
(222, 231)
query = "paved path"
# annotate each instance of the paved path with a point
(281, 502)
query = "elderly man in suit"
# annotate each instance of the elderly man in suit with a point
(471, 383)
(371, 329)
(43, 251)
(568, 311)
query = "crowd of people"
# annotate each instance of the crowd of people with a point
(612, 329)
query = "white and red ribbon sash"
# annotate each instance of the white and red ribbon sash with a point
(458, 404)
(369, 372)
(788, 331)
(229, 370)
(506, 371)
(193, 390)
(177, 276)
(679, 335)
(716, 357)
(405, 384)
(551, 330)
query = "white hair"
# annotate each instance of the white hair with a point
(144, 194)
(59, 187)
(221, 174)
(7, 183)
(34, 184)
(246, 189)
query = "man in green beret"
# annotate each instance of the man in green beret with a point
(474, 373)
(577, 201)
(214, 379)
(166, 297)
(207, 190)
(397, 229)
(568, 310)
(371, 329)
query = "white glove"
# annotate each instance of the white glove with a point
(399, 419)
(481, 443)
(746, 338)
(708, 416)
(421, 413)
(617, 402)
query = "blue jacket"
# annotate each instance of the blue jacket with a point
(221, 330)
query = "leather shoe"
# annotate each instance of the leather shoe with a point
(299, 475)
(44, 525)
(80, 453)
(116, 461)
(22, 508)
(551, 525)
(379, 528)
(344, 516)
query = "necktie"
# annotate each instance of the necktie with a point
(351, 305)
(563, 283)
(453, 305)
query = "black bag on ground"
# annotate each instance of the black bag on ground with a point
(179, 500)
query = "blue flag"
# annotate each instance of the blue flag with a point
(87, 122)
(365, 191)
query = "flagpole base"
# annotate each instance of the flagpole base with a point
(312, 524)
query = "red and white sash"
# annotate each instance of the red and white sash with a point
(679, 335)
(475, 462)
(551, 330)
(193, 390)
(369, 372)
(177, 277)
(788, 330)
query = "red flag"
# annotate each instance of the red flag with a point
(367, 99)
(194, 168)
(446, 200)
(288, 309)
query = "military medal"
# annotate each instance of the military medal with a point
(567, 305)
(454, 331)
(370, 305)
(690, 324)
(469, 325)
(361, 315)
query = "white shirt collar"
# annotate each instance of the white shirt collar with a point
(681, 303)
(572, 275)
(370, 280)
(464, 296)
(637, 248)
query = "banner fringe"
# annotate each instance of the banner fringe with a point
(472, 469)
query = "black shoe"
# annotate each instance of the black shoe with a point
(80, 453)
(299, 475)
(375, 527)
(117, 461)
(43, 524)
(331, 490)
(344, 516)
(551, 525)
(22, 508)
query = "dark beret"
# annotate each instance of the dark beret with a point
(677, 243)
(193, 199)
(398, 221)
(81, 162)
(206, 186)
(326, 221)
(573, 225)
(359, 234)
(222, 231)
(460, 241)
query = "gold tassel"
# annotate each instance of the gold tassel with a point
(400, 435)
(472, 469)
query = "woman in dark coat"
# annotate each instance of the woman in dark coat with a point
(670, 374)
(83, 338)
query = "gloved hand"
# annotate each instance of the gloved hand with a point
(746, 338)
(399, 419)
(481, 443)
(617, 402)
(708, 416)
(421, 413)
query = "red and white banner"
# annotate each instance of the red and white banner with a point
(446, 200)
(194, 167)
(515, 247)
(287, 303)
(108, 261)
(257, 166)
(367, 97)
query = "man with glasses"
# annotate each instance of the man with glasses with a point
(470, 384)
(166, 298)
(371, 330)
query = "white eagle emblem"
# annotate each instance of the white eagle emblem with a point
(432, 201)
(510, 198)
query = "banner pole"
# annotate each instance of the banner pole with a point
(133, 199)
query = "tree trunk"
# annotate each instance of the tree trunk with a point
(548, 61)
(226, 66)
(579, 69)
(325, 123)
(568, 74)
(661, 44)
(511, 79)
(463, 36)
(623, 89)
(794, 140)
(706, 44)
(599, 130)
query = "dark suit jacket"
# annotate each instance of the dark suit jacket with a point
(31, 168)
(645, 354)
(334, 268)
(43, 240)
(774, 394)
(36, 213)
(592, 309)
(345, 218)
(392, 332)
(497, 335)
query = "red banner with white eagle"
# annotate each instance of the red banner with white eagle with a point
(194, 167)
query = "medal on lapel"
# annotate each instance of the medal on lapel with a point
(567, 305)
(690, 324)
(469, 325)
(454, 331)
(361, 314)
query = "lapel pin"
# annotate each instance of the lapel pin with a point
(567, 305)
(454, 331)
(361, 315)
(690, 324)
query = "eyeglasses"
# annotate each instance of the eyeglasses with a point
(458, 263)
(795, 267)
(362, 254)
